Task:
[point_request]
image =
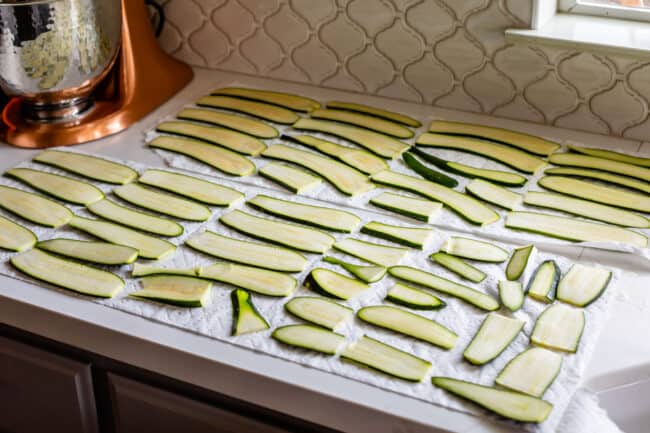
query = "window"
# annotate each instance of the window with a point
(638, 10)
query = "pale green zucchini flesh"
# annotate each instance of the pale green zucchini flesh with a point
(511, 294)
(543, 284)
(531, 372)
(459, 267)
(421, 210)
(286, 100)
(367, 274)
(373, 123)
(382, 255)
(15, 237)
(162, 202)
(294, 179)
(61, 187)
(310, 337)
(415, 237)
(518, 261)
(587, 161)
(88, 166)
(245, 317)
(333, 284)
(112, 211)
(374, 111)
(559, 327)
(583, 284)
(231, 121)
(610, 154)
(600, 175)
(493, 337)
(34, 208)
(494, 194)
(262, 281)
(320, 311)
(183, 291)
(262, 110)
(103, 253)
(474, 250)
(413, 298)
(140, 270)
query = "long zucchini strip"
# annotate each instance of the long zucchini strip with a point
(333, 284)
(416, 237)
(125, 216)
(88, 166)
(609, 154)
(366, 273)
(294, 179)
(421, 210)
(426, 172)
(382, 255)
(15, 237)
(374, 111)
(286, 100)
(364, 121)
(34, 208)
(321, 311)
(103, 253)
(494, 194)
(262, 281)
(600, 175)
(262, 110)
(183, 291)
(61, 187)
(587, 161)
(162, 202)
(310, 337)
(231, 121)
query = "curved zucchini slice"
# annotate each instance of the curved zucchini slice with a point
(102, 253)
(559, 327)
(583, 284)
(379, 144)
(67, 274)
(474, 250)
(344, 178)
(374, 111)
(518, 261)
(216, 157)
(429, 174)
(509, 404)
(247, 253)
(262, 281)
(459, 267)
(407, 323)
(466, 206)
(411, 297)
(600, 175)
(294, 179)
(233, 140)
(245, 317)
(310, 337)
(421, 210)
(586, 161)
(374, 253)
(162, 203)
(543, 284)
(511, 294)
(191, 187)
(140, 270)
(61, 187)
(367, 274)
(531, 372)
(290, 235)
(33, 207)
(317, 216)
(112, 211)
(333, 284)
(286, 100)
(415, 237)
(15, 237)
(148, 247)
(320, 311)
(231, 121)
(373, 123)
(387, 359)
(262, 110)
(88, 166)
(494, 194)
(182, 291)
(517, 159)
(614, 156)
(495, 334)
(443, 285)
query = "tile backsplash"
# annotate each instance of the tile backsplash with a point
(447, 53)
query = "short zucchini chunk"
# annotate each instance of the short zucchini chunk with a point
(374, 111)
(162, 203)
(333, 284)
(125, 216)
(286, 100)
(61, 187)
(531, 372)
(233, 140)
(364, 121)
(493, 337)
(140, 270)
(34, 208)
(494, 194)
(310, 337)
(509, 404)
(182, 291)
(294, 179)
(262, 110)
(559, 327)
(14, 237)
(413, 298)
(583, 284)
(103, 253)
(518, 261)
(421, 210)
(426, 172)
(474, 250)
(415, 237)
(88, 166)
(511, 294)
(245, 317)
(232, 121)
(320, 311)
(543, 283)
(367, 274)
(262, 281)
(459, 267)
(374, 253)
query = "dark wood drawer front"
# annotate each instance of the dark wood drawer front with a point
(43, 392)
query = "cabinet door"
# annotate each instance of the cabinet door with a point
(44, 392)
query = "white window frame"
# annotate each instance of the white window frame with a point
(585, 7)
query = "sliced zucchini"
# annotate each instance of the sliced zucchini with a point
(333, 284)
(262, 281)
(148, 247)
(90, 251)
(112, 211)
(374, 253)
(515, 158)
(379, 144)
(459, 267)
(318, 216)
(191, 187)
(290, 235)
(233, 140)
(415, 237)
(373, 111)
(33, 207)
(600, 175)
(610, 154)
(407, 323)
(495, 334)
(559, 327)
(413, 298)
(518, 261)
(434, 282)
(15, 237)
(344, 178)
(428, 173)
(231, 121)
(573, 229)
(268, 112)
(162, 203)
(295, 180)
(474, 250)
(321, 311)
(61, 187)
(543, 284)
(67, 274)
(511, 294)
(367, 274)
(586, 161)
(216, 157)
(373, 123)
(387, 359)
(245, 317)
(310, 337)
(583, 284)
(287, 100)
(175, 289)
(140, 270)
(494, 194)
(509, 404)
(531, 372)
(247, 253)
(88, 166)
(421, 210)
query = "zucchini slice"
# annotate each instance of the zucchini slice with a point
(175, 289)
(407, 323)
(614, 156)
(320, 311)
(511, 294)
(317, 216)
(310, 337)
(112, 211)
(495, 334)
(162, 203)
(531, 372)
(474, 250)
(443, 285)
(290, 235)
(586, 161)
(367, 274)
(294, 179)
(233, 140)
(559, 327)
(287, 100)
(466, 206)
(509, 404)
(269, 112)
(102, 253)
(387, 359)
(494, 194)
(518, 261)
(67, 274)
(459, 267)
(245, 317)
(583, 284)
(411, 297)
(543, 284)
(421, 210)
(600, 175)
(88, 166)
(374, 253)
(262, 281)
(515, 158)
(191, 187)
(148, 247)
(216, 157)
(248, 253)
(140, 270)
(231, 121)
(572, 229)
(15, 237)
(373, 111)
(379, 144)
(373, 123)
(415, 237)
(429, 174)
(34, 208)
(61, 187)
(333, 284)
(344, 178)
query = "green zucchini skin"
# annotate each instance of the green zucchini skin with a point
(585, 173)
(367, 274)
(122, 255)
(435, 303)
(88, 166)
(262, 110)
(458, 266)
(513, 325)
(281, 174)
(405, 206)
(23, 175)
(435, 176)
(383, 231)
(362, 120)
(281, 99)
(135, 219)
(244, 309)
(235, 122)
(376, 112)
(550, 294)
(312, 283)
